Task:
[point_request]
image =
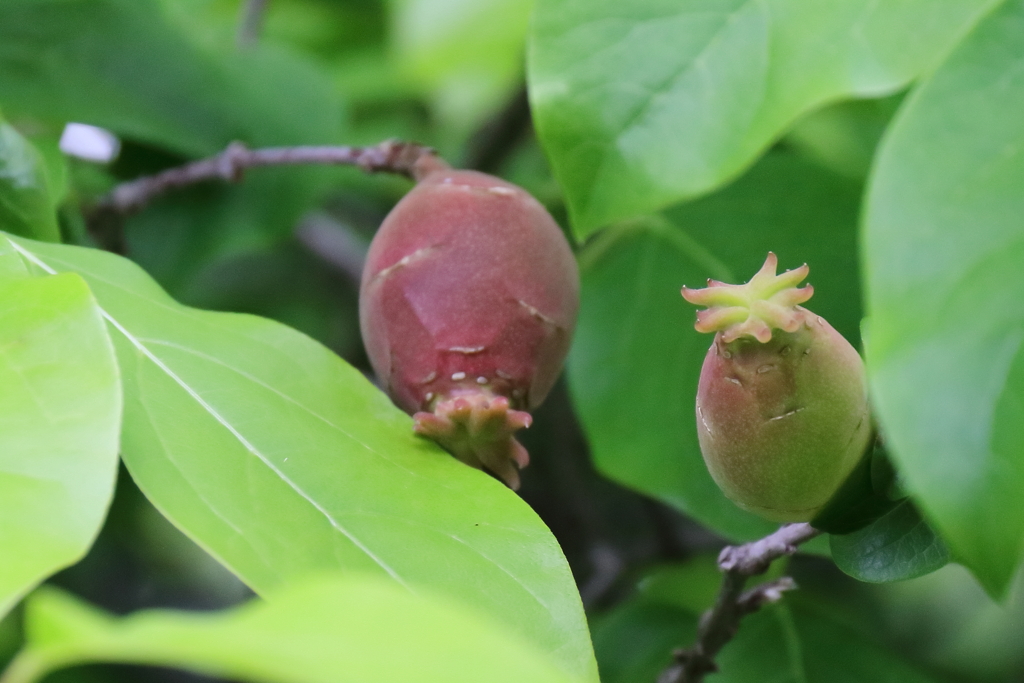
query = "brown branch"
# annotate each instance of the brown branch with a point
(719, 624)
(391, 156)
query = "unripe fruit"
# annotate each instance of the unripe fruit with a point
(467, 306)
(782, 413)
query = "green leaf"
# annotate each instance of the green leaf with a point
(798, 641)
(175, 238)
(60, 415)
(12, 267)
(951, 625)
(123, 65)
(127, 66)
(27, 206)
(803, 640)
(280, 459)
(636, 358)
(357, 630)
(635, 641)
(470, 52)
(870, 491)
(899, 545)
(843, 137)
(691, 585)
(944, 246)
(643, 104)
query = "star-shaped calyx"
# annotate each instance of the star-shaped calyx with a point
(768, 302)
(477, 429)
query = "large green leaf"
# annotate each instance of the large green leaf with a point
(280, 459)
(60, 416)
(27, 206)
(944, 244)
(644, 103)
(354, 630)
(636, 358)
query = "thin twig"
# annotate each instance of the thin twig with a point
(335, 243)
(409, 159)
(251, 23)
(719, 624)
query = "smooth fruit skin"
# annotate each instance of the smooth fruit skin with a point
(470, 290)
(782, 422)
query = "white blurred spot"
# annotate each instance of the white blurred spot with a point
(468, 350)
(89, 143)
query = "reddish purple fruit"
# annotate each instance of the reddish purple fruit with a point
(467, 307)
(782, 412)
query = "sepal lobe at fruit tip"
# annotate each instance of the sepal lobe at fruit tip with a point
(768, 302)
(478, 429)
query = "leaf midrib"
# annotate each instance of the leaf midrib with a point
(153, 358)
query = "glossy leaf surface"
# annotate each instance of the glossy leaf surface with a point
(356, 630)
(642, 104)
(943, 244)
(60, 416)
(636, 358)
(280, 460)
(899, 545)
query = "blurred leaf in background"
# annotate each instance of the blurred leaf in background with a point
(28, 202)
(799, 641)
(465, 54)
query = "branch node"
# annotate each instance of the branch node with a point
(765, 594)
(409, 159)
(754, 558)
(231, 162)
(718, 625)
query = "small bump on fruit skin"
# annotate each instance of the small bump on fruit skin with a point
(467, 307)
(782, 413)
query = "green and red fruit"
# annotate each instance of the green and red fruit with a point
(467, 306)
(782, 412)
